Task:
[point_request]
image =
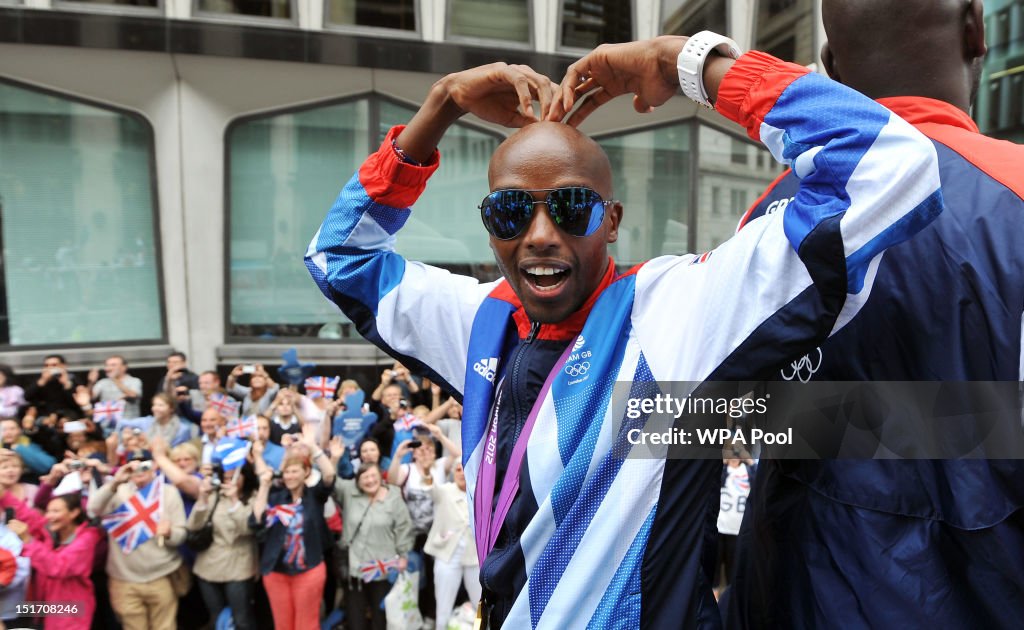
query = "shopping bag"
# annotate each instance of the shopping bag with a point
(463, 617)
(401, 605)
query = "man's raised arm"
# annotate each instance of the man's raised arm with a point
(868, 181)
(419, 314)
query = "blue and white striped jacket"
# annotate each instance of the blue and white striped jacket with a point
(617, 542)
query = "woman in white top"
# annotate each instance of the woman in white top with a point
(417, 481)
(451, 544)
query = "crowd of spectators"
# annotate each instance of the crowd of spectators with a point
(261, 503)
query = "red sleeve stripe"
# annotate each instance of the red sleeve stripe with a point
(391, 182)
(751, 87)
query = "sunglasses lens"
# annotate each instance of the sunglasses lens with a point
(577, 210)
(506, 212)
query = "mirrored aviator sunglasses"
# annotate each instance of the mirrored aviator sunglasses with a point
(577, 210)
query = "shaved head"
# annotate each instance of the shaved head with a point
(552, 141)
(886, 48)
(552, 271)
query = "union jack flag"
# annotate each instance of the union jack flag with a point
(134, 521)
(243, 427)
(322, 386)
(742, 482)
(295, 549)
(283, 514)
(108, 413)
(703, 258)
(407, 422)
(225, 405)
(377, 569)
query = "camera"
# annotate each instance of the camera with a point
(403, 404)
(76, 465)
(54, 371)
(136, 431)
(217, 476)
(248, 369)
(145, 466)
(394, 373)
(415, 444)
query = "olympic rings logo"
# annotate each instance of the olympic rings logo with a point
(578, 369)
(803, 368)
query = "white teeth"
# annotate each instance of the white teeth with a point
(543, 271)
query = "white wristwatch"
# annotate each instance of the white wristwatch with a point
(690, 62)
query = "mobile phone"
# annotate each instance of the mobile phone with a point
(8, 514)
(248, 369)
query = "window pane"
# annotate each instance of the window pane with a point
(650, 175)
(720, 171)
(79, 260)
(588, 23)
(687, 18)
(123, 3)
(258, 8)
(491, 19)
(400, 14)
(783, 29)
(445, 228)
(285, 172)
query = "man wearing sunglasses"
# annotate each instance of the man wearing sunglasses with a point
(569, 534)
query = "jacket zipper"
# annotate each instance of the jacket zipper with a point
(514, 384)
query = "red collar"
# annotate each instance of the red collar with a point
(917, 110)
(568, 328)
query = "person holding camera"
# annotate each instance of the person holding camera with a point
(417, 481)
(401, 376)
(259, 395)
(289, 521)
(142, 591)
(178, 379)
(62, 549)
(378, 533)
(226, 567)
(54, 390)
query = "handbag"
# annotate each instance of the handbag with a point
(200, 539)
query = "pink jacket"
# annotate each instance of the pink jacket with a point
(62, 574)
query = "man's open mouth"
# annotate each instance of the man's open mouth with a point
(546, 277)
